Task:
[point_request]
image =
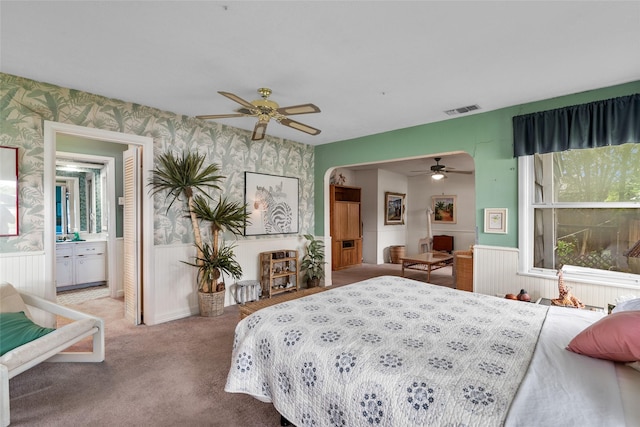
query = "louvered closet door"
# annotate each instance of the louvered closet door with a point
(132, 237)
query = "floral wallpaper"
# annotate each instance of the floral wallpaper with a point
(25, 105)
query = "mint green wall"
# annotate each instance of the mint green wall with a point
(487, 137)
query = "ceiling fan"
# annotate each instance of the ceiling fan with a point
(439, 171)
(265, 109)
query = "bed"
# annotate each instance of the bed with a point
(392, 351)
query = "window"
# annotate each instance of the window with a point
(581, 208)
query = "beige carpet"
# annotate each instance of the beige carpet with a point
(165, 375)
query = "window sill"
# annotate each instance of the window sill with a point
(588, 276)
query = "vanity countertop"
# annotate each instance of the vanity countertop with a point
(84, 237)
(65, 242)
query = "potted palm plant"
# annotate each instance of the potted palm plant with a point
(313, 261)
(182, 177)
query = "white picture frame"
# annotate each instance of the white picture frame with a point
(495, 220)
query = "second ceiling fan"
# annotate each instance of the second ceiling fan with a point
(265, 110)
(439, 171)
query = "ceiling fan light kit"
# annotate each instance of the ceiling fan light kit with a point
(264, 110)
(439, 171)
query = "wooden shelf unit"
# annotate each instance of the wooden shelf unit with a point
(346, 226)
(278, 272)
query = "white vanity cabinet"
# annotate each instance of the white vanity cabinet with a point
(64, 265)
(79, 263)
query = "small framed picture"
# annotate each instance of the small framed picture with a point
(495, 220)
(394, 208)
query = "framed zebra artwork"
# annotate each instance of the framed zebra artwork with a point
(272, 204)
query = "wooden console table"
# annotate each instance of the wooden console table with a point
(428, 261)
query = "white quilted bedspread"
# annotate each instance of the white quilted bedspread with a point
(387, 351)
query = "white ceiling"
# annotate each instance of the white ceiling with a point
(371, 67)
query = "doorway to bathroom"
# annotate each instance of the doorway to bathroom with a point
(108, 217)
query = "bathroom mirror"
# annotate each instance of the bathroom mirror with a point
(79, 197)
(8, 191)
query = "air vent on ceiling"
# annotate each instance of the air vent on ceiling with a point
(462, 110)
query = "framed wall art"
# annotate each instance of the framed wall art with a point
(394, 208)
(445, 209)
(495, 220)
(8, 191)
(272, 204)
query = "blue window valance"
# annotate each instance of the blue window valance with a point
(613, 121)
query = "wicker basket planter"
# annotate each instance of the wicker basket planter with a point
(397, 252)
(211, 303)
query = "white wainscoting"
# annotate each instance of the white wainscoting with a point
(174, 294)
(495, 273)
(25, 270)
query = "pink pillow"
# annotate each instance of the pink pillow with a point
(615, 337)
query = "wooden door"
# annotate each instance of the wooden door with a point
(132, 241)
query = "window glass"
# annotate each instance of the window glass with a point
(595, 238)
(607, 174)
(585, 208)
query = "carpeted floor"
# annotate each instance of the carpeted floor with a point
(164, 375)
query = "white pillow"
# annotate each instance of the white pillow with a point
(628, 305)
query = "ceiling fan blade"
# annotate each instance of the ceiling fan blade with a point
(298, 109)
(247, 112)
(300, 126)
(464, 172)
(259, 131)
(237, 99)
(219, 116)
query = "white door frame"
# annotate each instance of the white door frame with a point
(51, 130)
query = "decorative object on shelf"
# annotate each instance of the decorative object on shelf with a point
(181, 177)
(565, 299)
(394, 208)
(511, 296)
(523, 296)
(9, 218)
(444, 209)
(337, 178)
(495, 220)
(313, 261)
(272, 204)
